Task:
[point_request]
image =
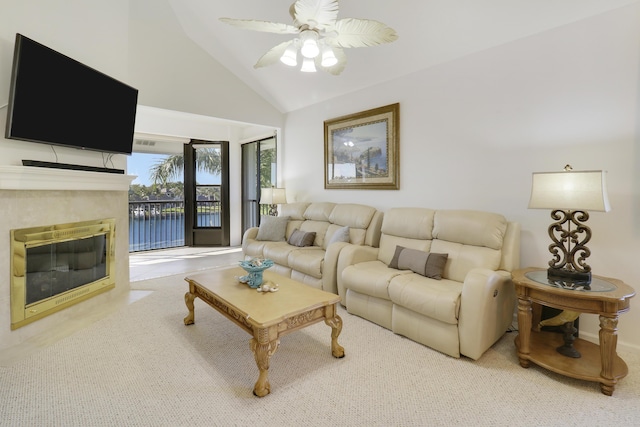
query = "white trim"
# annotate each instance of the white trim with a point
(35, 178)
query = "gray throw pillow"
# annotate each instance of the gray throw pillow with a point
(302, 238)
(272, 228)
(424, 263)
(341, 235)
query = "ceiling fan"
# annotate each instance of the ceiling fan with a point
(320, 36)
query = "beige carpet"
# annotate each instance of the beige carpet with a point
(142, 367)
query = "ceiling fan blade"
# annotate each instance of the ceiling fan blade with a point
(273, 55)
(265, 26)
(319, 14)
(352, 32)
(340, 65)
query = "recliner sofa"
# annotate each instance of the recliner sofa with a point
(315, 264)
(463, 313)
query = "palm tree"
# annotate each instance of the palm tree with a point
(171, 168)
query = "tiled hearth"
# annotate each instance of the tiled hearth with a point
(33, 197)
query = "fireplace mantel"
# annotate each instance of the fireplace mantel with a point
(35, 178)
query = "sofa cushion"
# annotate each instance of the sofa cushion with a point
(414, 223)
(319, 211)
(424, 263)
(370, 278)
(464, 258)
(352, 215)
(309, 260)
(408, 227)
(278, 252)
(302, 238)
(437, 299)
(272, 228)
(474, 228)
(295, 211)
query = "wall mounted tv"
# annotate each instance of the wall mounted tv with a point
(57, 100)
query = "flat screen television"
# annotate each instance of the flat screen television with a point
(57, 100)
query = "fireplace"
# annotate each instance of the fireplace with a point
(54, 267)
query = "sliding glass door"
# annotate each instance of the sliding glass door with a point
(258, 171)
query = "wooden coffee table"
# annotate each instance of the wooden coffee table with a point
(266, 316)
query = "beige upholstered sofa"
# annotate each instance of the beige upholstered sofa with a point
(315, 262)
(464, 312)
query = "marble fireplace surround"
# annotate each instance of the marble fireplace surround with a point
(32, 197)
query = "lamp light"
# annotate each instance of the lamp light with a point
(273, 197)
(309, 47)
(328, 57)
(290, 55)
(308, 66)
(569, 194)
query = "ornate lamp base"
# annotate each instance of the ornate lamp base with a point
(583, 278)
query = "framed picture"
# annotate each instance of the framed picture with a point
(361, 150)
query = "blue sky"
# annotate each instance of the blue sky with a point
(140, 163)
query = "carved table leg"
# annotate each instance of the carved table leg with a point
(608, 342)
(188, 299)
(524, 330)
(263, 349)
(336, 327)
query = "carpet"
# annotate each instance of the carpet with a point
(141, 366)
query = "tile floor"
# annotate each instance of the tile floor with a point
(166, 262)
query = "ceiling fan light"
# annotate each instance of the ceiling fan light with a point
(308, 66)
(328, 58)
(290, 56)
(309, 47)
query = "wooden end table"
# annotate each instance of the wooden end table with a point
(606, 298)
(266, 316)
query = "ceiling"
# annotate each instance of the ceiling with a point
(430, 32)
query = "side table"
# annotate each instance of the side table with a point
(607, 298)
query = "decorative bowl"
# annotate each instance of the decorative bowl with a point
(254, 267)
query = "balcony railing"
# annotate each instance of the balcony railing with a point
(160, 224)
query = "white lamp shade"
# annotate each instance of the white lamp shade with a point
(279, 196)
(266, 196)
(570, 190)
(289, 57)
(308, 66)
(328, 57)
(273, 196)
(309, 47)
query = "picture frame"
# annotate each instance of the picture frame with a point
(362, 150)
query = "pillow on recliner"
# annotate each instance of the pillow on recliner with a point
(341, 235)
(424, 263)
(302, 238)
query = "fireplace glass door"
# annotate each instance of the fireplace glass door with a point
(56, 268)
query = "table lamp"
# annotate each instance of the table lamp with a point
(273, 197)
(569, 194)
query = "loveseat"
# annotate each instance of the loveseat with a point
(305, 240)
(467, 301)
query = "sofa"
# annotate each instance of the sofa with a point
(305, 239)
(439, 277)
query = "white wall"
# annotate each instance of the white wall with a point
(140, 43)
(473, 130)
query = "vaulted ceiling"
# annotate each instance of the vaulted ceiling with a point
(431, 32)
